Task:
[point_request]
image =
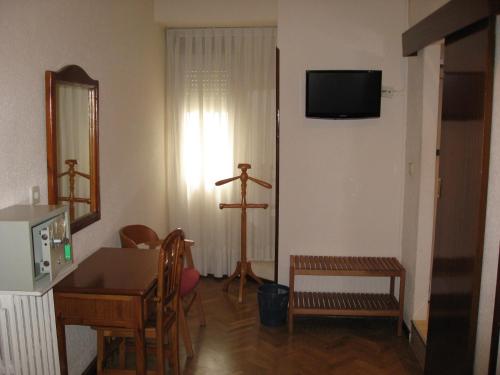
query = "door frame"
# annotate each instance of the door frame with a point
(450, 18)
(277, 163)
(495, 327)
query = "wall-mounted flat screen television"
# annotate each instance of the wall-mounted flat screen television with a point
(342, 94)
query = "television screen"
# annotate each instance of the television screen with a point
(343, 93)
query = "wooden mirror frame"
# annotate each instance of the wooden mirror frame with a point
(73, 75)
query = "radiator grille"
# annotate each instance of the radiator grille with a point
(28, 340)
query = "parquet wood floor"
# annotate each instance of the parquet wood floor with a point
(234, 342)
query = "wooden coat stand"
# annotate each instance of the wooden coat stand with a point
(243, 267)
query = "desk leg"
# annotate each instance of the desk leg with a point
(61, 344)
(140, 351)
(100, 351)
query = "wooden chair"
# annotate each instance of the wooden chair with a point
(164, 321)
(136, 235)
(133, 236)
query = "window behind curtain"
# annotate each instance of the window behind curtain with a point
(220, 112)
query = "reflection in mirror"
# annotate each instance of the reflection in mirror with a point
(72, 144)
(73, 162)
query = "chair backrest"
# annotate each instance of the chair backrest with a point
(131, 236)
(170, 264)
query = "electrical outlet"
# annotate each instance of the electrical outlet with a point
(35, 195)
(387, 92)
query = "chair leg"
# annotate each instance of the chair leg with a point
(100, 351)
(140, 350)
(173, 338)
(122, 350)
(201, 312)
(160, 353)
(185, 332)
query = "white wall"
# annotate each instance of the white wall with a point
(341, 181)
(216, 13)
(412, 180)
(117, 43)
(421, 131)
(426, 203)
(418, 213)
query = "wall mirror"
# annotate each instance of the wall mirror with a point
(71, 100)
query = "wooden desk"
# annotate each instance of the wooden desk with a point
(108, 289)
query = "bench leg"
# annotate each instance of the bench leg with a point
(401, 301)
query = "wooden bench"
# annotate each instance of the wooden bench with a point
(346, 304)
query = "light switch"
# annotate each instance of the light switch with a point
(35, 195)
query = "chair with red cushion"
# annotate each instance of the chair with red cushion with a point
(137, 235)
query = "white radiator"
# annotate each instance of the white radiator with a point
(28, 340)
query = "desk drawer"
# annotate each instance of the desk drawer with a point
(98, 310)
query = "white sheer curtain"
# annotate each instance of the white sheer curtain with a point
(221, 112)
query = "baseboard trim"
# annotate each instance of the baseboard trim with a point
(406, 330)
(418, 346)
(91, 368)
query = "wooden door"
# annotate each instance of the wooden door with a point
(463, 178)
